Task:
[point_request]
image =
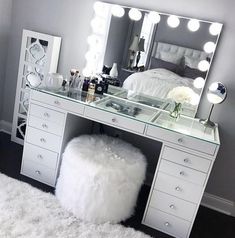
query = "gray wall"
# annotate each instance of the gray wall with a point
(5, 20)
(70, 19)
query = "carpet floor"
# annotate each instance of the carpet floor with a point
(30, 213)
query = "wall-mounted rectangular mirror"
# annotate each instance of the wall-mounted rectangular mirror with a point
(156, 57)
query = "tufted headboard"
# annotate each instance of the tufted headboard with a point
(178, 50)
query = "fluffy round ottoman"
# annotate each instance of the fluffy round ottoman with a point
(100, 178)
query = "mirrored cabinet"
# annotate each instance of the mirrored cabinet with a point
(39, 56)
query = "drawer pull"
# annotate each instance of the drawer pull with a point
(45, 126)
(178, 188)
(180, 140)
(172, 206)
(186, 160)
(167, 224)
(43, 140)
(38, 172)
(40, 156)
(182, 173)
(114, 120)
(57, 102)
(46, 114)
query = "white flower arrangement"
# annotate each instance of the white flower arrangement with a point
(182, 94)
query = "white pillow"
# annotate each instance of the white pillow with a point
(170, 57)
(191, 62)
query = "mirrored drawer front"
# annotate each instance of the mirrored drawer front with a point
(43, 139)
(182, 140)
(115, 120)
(61, 103)
(39, 172)
(186, 159)
(167, 223)
(40, 156)
(178, 187)
(182, 172)
(45, 125)
(47, 114)
(172, 205)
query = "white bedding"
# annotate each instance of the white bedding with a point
(156, 82)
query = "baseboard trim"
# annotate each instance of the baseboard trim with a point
(218, 204)
(5, 126)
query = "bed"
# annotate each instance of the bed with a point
(170, 66)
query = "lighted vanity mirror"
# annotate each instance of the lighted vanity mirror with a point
(151, 54)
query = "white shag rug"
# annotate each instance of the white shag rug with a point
(27, 212)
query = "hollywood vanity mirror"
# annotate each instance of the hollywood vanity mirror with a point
(157, 59)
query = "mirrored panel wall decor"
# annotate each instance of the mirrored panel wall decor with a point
(159, 59)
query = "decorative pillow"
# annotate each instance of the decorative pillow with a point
(170, 57)
(193, 73)
(191, 62)
(158, 63)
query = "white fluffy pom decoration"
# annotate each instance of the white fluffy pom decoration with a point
(100, 178)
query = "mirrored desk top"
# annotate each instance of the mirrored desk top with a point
(150, 113)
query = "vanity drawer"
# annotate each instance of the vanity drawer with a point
(115, 120)
(40, 156)
(45, 125)
(180, 139)
(178, 187)
(182, 172)
(39, 172)
(172, 205)
(59, 102)
(167, 223)
(43, 139)
(186, 159)
(46, 114)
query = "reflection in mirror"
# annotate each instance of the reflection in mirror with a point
(216, 94)
(154, 53)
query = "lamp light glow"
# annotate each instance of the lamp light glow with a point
(100, 8)
(98, 25)
(209, 47)
(117, 11)
(199, 82)
(173, 21)
(135, 14)
(215, 29)
(154, 17)
(203, 65)
(193, 25)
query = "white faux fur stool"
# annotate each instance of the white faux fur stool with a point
(100, 178)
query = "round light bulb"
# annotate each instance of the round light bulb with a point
(154, 17)
(94, 42)
(193, 25)
(117, 11)
(100, 8)
(173, 21)
(215, 29)
(199, 82)
(213, 86)
(98, 25)
(203, 65)
(135, 14)
(195, 99)
(91, 56)
(87, 72)
(209, 47)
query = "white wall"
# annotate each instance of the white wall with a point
(5, 20)
(70, 19)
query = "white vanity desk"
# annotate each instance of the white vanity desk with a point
(186, 159)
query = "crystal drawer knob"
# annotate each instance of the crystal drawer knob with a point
(172, 206)
(182, 173)
(186, 160)
(46, 114)
(43, 140)
(114, 120)
(45, 126)
(40, 156)
(178, 188)
(57, 102)
(38, 172)
(180, 140)
(167, 224)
